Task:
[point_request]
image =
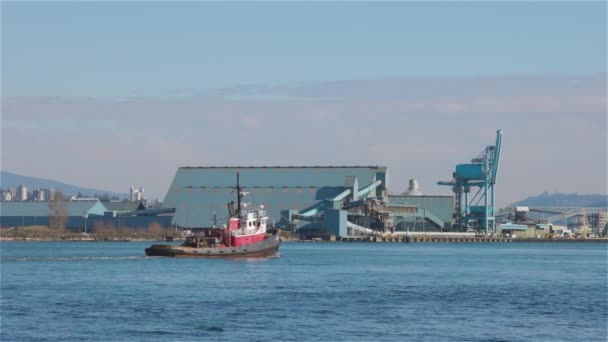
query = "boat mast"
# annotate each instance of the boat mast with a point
(238, 196)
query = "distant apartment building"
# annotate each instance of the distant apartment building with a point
(21, 193)
(136, 194)
(7, 195)
(39, 195)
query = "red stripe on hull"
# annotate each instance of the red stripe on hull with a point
(247, 239)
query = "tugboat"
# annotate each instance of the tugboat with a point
(246, 236)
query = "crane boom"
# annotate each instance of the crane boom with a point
(497, 148)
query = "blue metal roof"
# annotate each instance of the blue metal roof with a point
(74, 208)
(277, 176)
(122, 205)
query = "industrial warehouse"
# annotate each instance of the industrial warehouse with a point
(339, 200)
(319, 202)
(307, 199)
(296, 199)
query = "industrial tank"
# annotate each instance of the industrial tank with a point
(413, 189)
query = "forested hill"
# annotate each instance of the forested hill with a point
(564, 200)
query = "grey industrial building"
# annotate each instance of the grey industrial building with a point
(312, 200)
(304, 198)
(84, 215)
(31, 213)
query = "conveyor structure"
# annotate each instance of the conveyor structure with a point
(355, 211)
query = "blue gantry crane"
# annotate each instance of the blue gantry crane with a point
(478, 211)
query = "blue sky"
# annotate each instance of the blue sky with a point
(161, 48)
(415, 86)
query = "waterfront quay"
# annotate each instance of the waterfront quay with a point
(449, 237)
(421, 239)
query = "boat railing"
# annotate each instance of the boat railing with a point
(247, 231)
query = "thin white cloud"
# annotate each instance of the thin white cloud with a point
(418, 127)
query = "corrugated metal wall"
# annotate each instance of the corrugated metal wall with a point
(440, 206)
(199, 193)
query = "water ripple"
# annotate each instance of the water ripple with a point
(130, 257)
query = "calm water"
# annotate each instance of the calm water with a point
(316, 292)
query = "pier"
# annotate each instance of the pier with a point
(420, 237)
(423, 239)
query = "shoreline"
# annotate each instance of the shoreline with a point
(4, 239)
(597, 240)
(601, 240)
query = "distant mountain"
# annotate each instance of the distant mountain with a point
(565, 200)
(12, 180)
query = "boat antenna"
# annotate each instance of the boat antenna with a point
(238, 195)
